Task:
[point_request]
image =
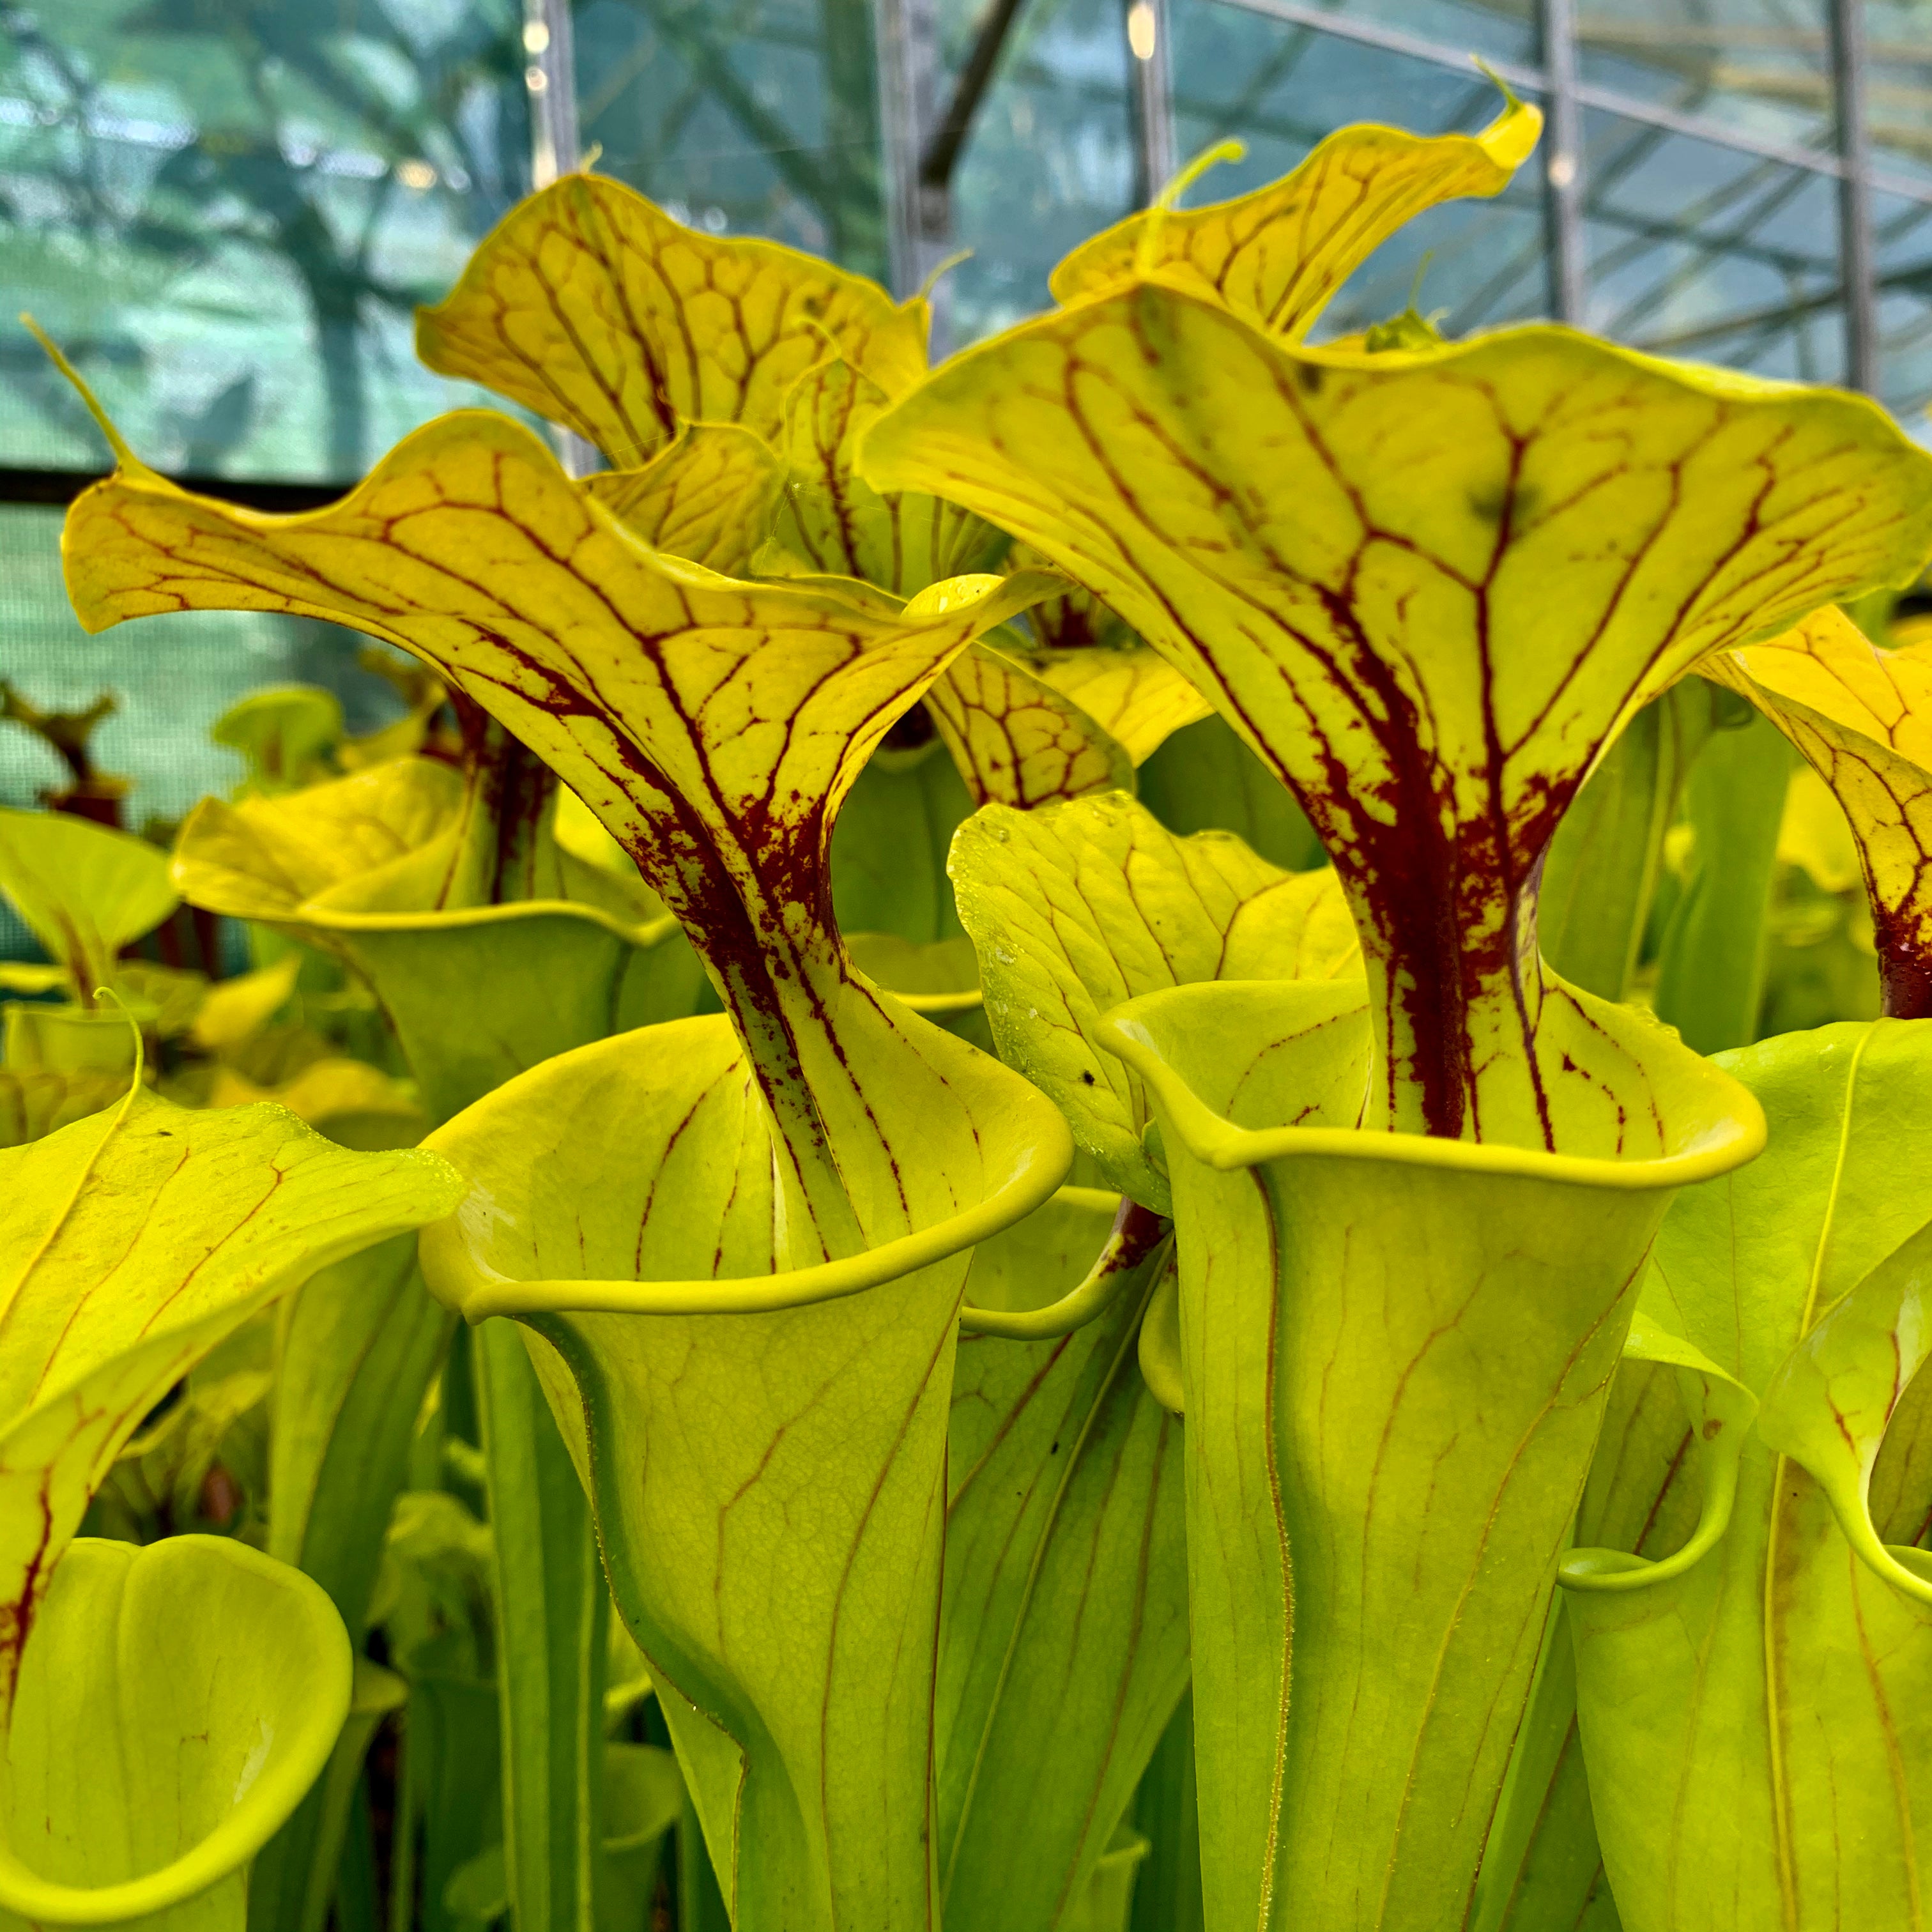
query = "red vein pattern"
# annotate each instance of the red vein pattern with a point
(1016, 740)
(1862, 718)
(594, 308)
(711, 495)
(1277, 255)
(716, 726)
(1356, 557)
(836, 521)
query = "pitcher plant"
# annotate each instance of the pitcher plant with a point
(972, 1263)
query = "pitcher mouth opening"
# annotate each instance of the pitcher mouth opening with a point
(1038, 1150)
(230, 1844)
(459, 1283)
(1731, 1131)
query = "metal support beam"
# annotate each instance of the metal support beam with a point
(1152, 81)
(1563, 164)
(907, 36)
(1532, 80)
(549, 79)
(1858, 264)
(1389, 40)
(940, 155)
(924, 145)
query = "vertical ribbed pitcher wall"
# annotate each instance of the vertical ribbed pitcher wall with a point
(1396, 1352)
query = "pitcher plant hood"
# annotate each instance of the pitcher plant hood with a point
(1862, 717)
(1358, 558)
(716, 726)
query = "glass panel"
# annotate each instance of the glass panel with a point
(1763, 66)
(172, 677)
(754, 117)
(1281, 89)
(1050, 160)
(1697, 250)
(1898, 86)
(1497, 29)
(228, 213)
(1902, 233)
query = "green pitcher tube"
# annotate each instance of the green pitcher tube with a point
(1754, 1701)
(174, 1706)
(764, 1447)
(1395, 1352)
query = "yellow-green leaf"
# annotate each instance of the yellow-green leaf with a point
(386, 833)
(1815, 835)
(1833, 1397)
(1277, 255)
(1075, 908)
(715, 726)
(585, 836)
(384, 869)
(326, 1092)
(165, 998)
(1747, 1719)
(627, 1677)
(1064, 1480)
(939, 976)
(22, 976)
(595, 308)
(216, 1421)
(278, 1894)
(1719, 1409)
(420, 689)
(1016, 740)
(84, 890)
(643, 1797)
(1074, 622)
(355, 1348)
(1085, 651)
(237, 1009)
(1428, 587)
(711, 495)
(835, 522)
(44, 1036)
(1862, 717)
(1394, 1355)
(889, 853)
(1135, 696)
(289, 734)
(133, 1242)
